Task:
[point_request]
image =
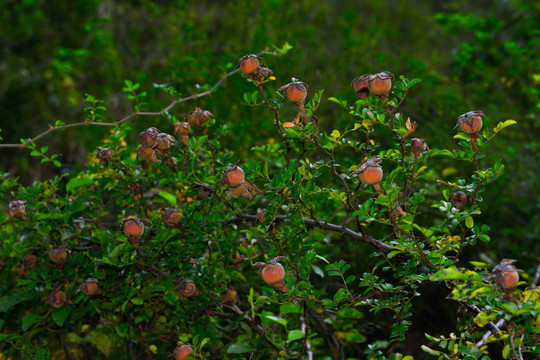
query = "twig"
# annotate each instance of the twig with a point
(488, 334)
(128, 117)
(490, 326)
(318, 224)
(249, 321)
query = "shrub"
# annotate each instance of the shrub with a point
(180, 245)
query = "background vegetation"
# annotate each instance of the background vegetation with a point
(469, 55)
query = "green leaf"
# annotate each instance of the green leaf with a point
(6, 302)
(238, 348)
(383, 200)
(103, 343)
(430, 351)
(335, 133)
(168, 196)
(503, 125)
(276, 319)
(454, 273)
(137, 301)
(506, 351)
(29, 320)
(443, 152)
(469, 222)
(483, 318)
(337, 101)
(289, 308)
(60, 315)
(510, 307)
(78, 182)
(461, 136)
(413, 82)
(295, 335)
(119, 250)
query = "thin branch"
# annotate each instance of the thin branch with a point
(490, 326)
(318, 224)
(249, 321)
(488, 334)
(128, 117)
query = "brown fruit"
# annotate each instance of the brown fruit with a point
(58, 254)
(418, 146)
(146, 153)
(506, 275)
(90, 286)
(458, 199)
(237, 258)
(240, 190)
(249, 64)
(272, 272)
(198, 117)
(133, 227)
(182, 351)
(360, 86)
(29, 261)
(474, 126)
(370, 172)
(171, 216)
(230, 296)
(233, 176)
(511, 278)
(148, 137)
(471, 122)
(182, 128)
(288, 125)
(17, 209)
(204, 190)
(57, 299)
(104, 154)
(259, 75)
(296, 91)
(381, 83)
(187, 288)
(164, 142)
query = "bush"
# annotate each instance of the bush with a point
(177, 239)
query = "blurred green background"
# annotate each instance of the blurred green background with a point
(470, 56)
